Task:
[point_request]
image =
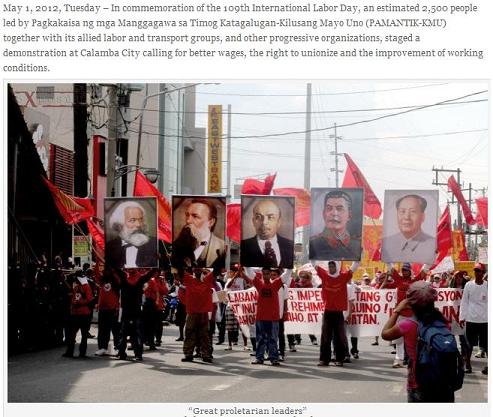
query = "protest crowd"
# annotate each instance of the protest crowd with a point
(149, 277)
(52, 304)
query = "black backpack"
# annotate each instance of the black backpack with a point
(439, 365)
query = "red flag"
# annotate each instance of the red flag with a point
(233, 216)
(355, 178)
(302, 198)
(262, 187)
(444, 236)
(144, 188)
(416, 268)
(377, 254)
(97, 235)
(455, 188)
(72, 209)
(482, 216)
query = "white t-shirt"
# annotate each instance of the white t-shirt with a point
(474, 303)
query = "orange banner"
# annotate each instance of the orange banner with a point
(372, 235)
(459, 251)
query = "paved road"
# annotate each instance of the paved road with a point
(47, 377)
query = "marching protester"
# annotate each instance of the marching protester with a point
(80, 313)
(131, 283)
(402, 282)
(234, 283)
(181, 313)
(153, 306)
(352, 289)
(283, 297)
(334, 295)
(377, 283)
(458, 280)
(198, 289)
(163, 291)
(267, 319)
(108, 311)
(474, 314)
(215, 313)
(420, 299)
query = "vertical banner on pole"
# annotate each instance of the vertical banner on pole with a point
(215, 132)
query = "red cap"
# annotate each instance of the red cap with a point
(480, 266)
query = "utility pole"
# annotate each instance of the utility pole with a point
(306, 184)
(116, 104)
(228, 185)
(162, 137)
(436, 182)
(308, 135)
(336, 155)
(80, 141)
(112, 138)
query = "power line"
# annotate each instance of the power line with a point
(268, 135)
(428, 135)
(292, 113)
(361, 121)
(323, 94)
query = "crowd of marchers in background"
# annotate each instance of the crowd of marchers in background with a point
(54, 306)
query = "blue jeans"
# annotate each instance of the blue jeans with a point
(266, 334)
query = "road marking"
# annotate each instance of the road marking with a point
(220, 387)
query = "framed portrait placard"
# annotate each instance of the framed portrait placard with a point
(267, 231)
(409, 226)
(199, 228)
(131, 232)
(336, 224)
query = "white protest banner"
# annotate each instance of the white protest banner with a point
(371, 310)
(304, 312)
(448, 302)
(446, 265)
(244, 305)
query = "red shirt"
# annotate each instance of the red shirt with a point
(162, 292)
(402, 284)
(151, 289)
(81, 297)
(198, 293)
(334, 289)
(109, 298)
(268, 298)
